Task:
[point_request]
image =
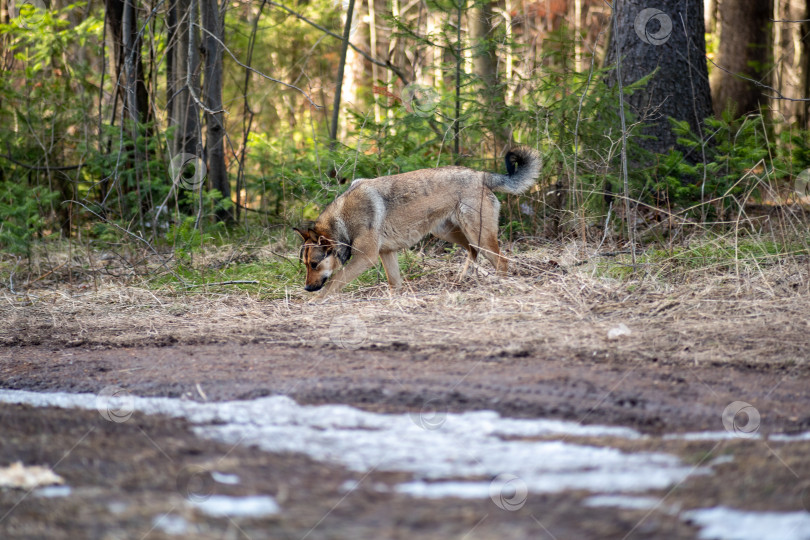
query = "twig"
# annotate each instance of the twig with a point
(132, 234)
(631, 225)
(778, 94)
(236, 282)
(43, 276)
(698, 121)
(583, 227)
(606, 254)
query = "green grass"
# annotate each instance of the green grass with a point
(710, 254)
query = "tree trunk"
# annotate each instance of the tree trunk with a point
(792, 73)
(122, 21)
(183, 111)
(212, 23)
(680, 88)
(485, 68)
(744, 50)
(333, 129)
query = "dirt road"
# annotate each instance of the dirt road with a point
(663, 360)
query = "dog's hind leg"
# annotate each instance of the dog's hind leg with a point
(480, 226)
(391, 265)
(450, 232)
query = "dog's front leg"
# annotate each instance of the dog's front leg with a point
(359, 263)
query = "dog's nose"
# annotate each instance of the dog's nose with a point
(312, 288)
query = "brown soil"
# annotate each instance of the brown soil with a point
(534, 345)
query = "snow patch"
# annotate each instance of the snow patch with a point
(256, 506)
(721, 523)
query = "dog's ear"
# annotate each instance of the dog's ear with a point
(307, 235)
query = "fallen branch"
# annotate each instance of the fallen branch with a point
(236, 282)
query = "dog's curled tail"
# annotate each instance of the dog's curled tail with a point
(522, 168)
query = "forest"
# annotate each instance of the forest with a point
(165, 124)
(622, 353)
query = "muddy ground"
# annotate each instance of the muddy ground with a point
(661, 357)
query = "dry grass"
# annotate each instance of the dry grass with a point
(552, 305)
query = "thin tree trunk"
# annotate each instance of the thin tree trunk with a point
(459, 60)
(171, 52)
(485, 68)
(215, 122)
(187, 74)
(339, 82)
(372, 38)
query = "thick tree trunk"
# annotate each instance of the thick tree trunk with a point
(215, 121)
(680, 88)
(744, 50)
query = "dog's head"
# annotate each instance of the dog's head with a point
(320, 255)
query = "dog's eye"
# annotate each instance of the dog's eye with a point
(313, 265)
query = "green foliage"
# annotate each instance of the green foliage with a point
(736, 151)
(65, 125)
(21, 214)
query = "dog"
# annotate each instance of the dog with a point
(376, 217)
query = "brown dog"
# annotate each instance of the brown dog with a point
(378, 216)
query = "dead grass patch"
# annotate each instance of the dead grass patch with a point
(553, 304)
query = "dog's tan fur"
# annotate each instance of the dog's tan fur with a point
(378, 216)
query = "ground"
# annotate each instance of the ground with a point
(660, 352)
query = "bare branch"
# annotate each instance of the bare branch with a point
(328, 32)
(256, 71)
(778, 94)
(46, 168)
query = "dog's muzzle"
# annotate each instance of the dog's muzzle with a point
(313, 288)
